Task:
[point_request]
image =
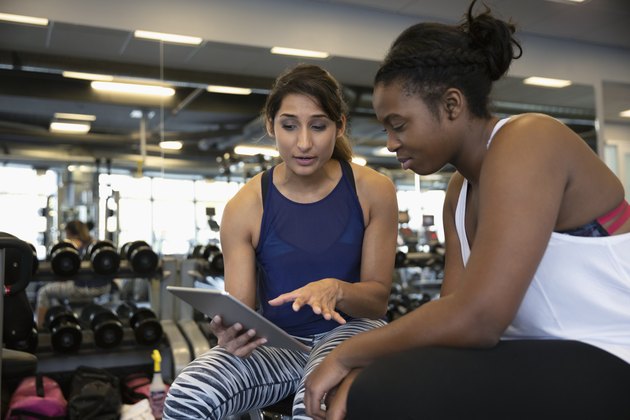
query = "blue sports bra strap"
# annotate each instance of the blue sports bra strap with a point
(264, 184)
(347, 171)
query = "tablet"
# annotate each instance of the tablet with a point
(217, 302)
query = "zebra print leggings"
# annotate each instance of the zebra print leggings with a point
(218, 384)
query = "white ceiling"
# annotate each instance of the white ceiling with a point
(96, 36)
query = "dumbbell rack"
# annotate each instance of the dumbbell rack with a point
(45, 272)
(128, 354)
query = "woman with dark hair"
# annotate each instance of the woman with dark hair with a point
(533, 320)
(78, 233)
(320, 233)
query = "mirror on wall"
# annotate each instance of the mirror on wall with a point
(574, 105)
(616, 129)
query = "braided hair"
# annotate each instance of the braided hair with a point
(429, 58)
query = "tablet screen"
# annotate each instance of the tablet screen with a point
(217, 302)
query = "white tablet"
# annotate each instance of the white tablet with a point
(217, 302)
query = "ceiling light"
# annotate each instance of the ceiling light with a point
(137, 114)
(29, 20)
(300, 53)
(256, 150)
(87, 76)
(229, 89)
(383, 152)
(69, 127)
(359, 160)
(625, 114)
(134, 89)
(78, 117)
(569, 1)
(546, 82)
(171, 145)
(79, 168)
(176, 39)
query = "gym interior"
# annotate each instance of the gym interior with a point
(150, 175)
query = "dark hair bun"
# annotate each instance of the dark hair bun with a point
(494, 38)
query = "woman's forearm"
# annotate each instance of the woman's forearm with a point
(365, 299)
(443, 322)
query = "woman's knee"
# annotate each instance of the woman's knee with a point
(201, 387)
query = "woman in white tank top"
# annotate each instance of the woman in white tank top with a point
(534, 315)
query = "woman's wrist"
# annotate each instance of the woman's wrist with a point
(339, 289)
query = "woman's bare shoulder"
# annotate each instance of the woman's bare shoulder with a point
(248, 199)
(366, 177)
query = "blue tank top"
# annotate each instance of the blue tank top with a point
(300, 243)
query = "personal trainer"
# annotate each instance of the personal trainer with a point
(320, 232)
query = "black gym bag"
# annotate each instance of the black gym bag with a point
(94, 395)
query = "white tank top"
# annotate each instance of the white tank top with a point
(580, 291)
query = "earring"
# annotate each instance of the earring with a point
(450, 112)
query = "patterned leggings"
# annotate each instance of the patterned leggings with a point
(218, 384)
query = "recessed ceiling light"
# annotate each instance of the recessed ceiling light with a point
(569, 1)
(255, 150)
(625, 114)
(300, 53)
(229, 89)
(69, 127)
(173, 38)
(78, 117)
(29, 20)
(133, 89)
(547, 82)
(171, 145)
(87, 76)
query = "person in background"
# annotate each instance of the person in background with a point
(56, 292)
(78, 234)
(320, 232)
(533, 320)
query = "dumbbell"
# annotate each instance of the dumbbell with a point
(64, 259)
(196, 252)
(142, 259)
(35, 259)
(103, 257)
(20, 263)
(107, 328)
(146, 327)
(19, 331)
(65, 331)
(400, 260)
(12, 263)
(213, 255)
(204, 251)
(27, 344)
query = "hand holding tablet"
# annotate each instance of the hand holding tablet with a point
(216, 302)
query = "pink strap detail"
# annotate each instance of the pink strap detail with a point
(620, 221)
(612, 214)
